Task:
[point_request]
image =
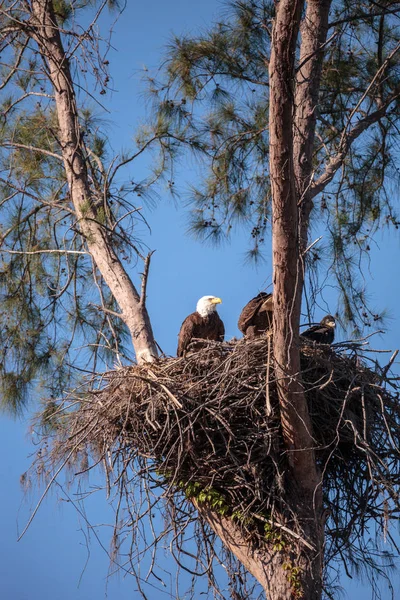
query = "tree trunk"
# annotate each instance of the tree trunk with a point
(46, 34)
(288, 288)
(266, 567)
(280, 569)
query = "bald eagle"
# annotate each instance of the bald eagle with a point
(205, 324)
(324, 333)
(256, 317)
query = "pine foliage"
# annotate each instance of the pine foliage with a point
(54, 301)
(211, 98)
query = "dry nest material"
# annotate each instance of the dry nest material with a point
(201, 423)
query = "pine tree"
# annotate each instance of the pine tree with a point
(213, 95)
(294, 109)
(296, 125)
(66, 218)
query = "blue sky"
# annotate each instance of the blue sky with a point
(47, 563)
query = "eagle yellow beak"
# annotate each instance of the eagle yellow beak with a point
(216, 301)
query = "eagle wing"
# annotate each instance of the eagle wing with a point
(187, 333)
(319, 333)
(219, 329)
(250, 311)
(196, 326)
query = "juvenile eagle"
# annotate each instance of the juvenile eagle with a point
(205, 324)
(256, 317)
(324, 333)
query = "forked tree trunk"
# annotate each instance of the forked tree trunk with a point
(296, 569)
(45, 32)
(290, 212)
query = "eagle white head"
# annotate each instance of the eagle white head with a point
(207, 305)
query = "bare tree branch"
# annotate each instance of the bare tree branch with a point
(345, 143)
(8, 144)
(365, 16)
(14, 68)
(47, 36)
(46, 251)
(145, 278)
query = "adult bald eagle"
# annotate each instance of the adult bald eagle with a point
(256, 317)
(324, 333)
(205, 324)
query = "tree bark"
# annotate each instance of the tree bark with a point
(289, 233)
(45, 32)
(280, 570)
(314, 29)
(266, 567)
(288, 272)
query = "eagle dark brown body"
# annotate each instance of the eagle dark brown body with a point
(324, 333)
(209, 327)
(256, 317)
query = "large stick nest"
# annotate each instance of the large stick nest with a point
(205, 422)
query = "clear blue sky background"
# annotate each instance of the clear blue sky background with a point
(48, 562)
